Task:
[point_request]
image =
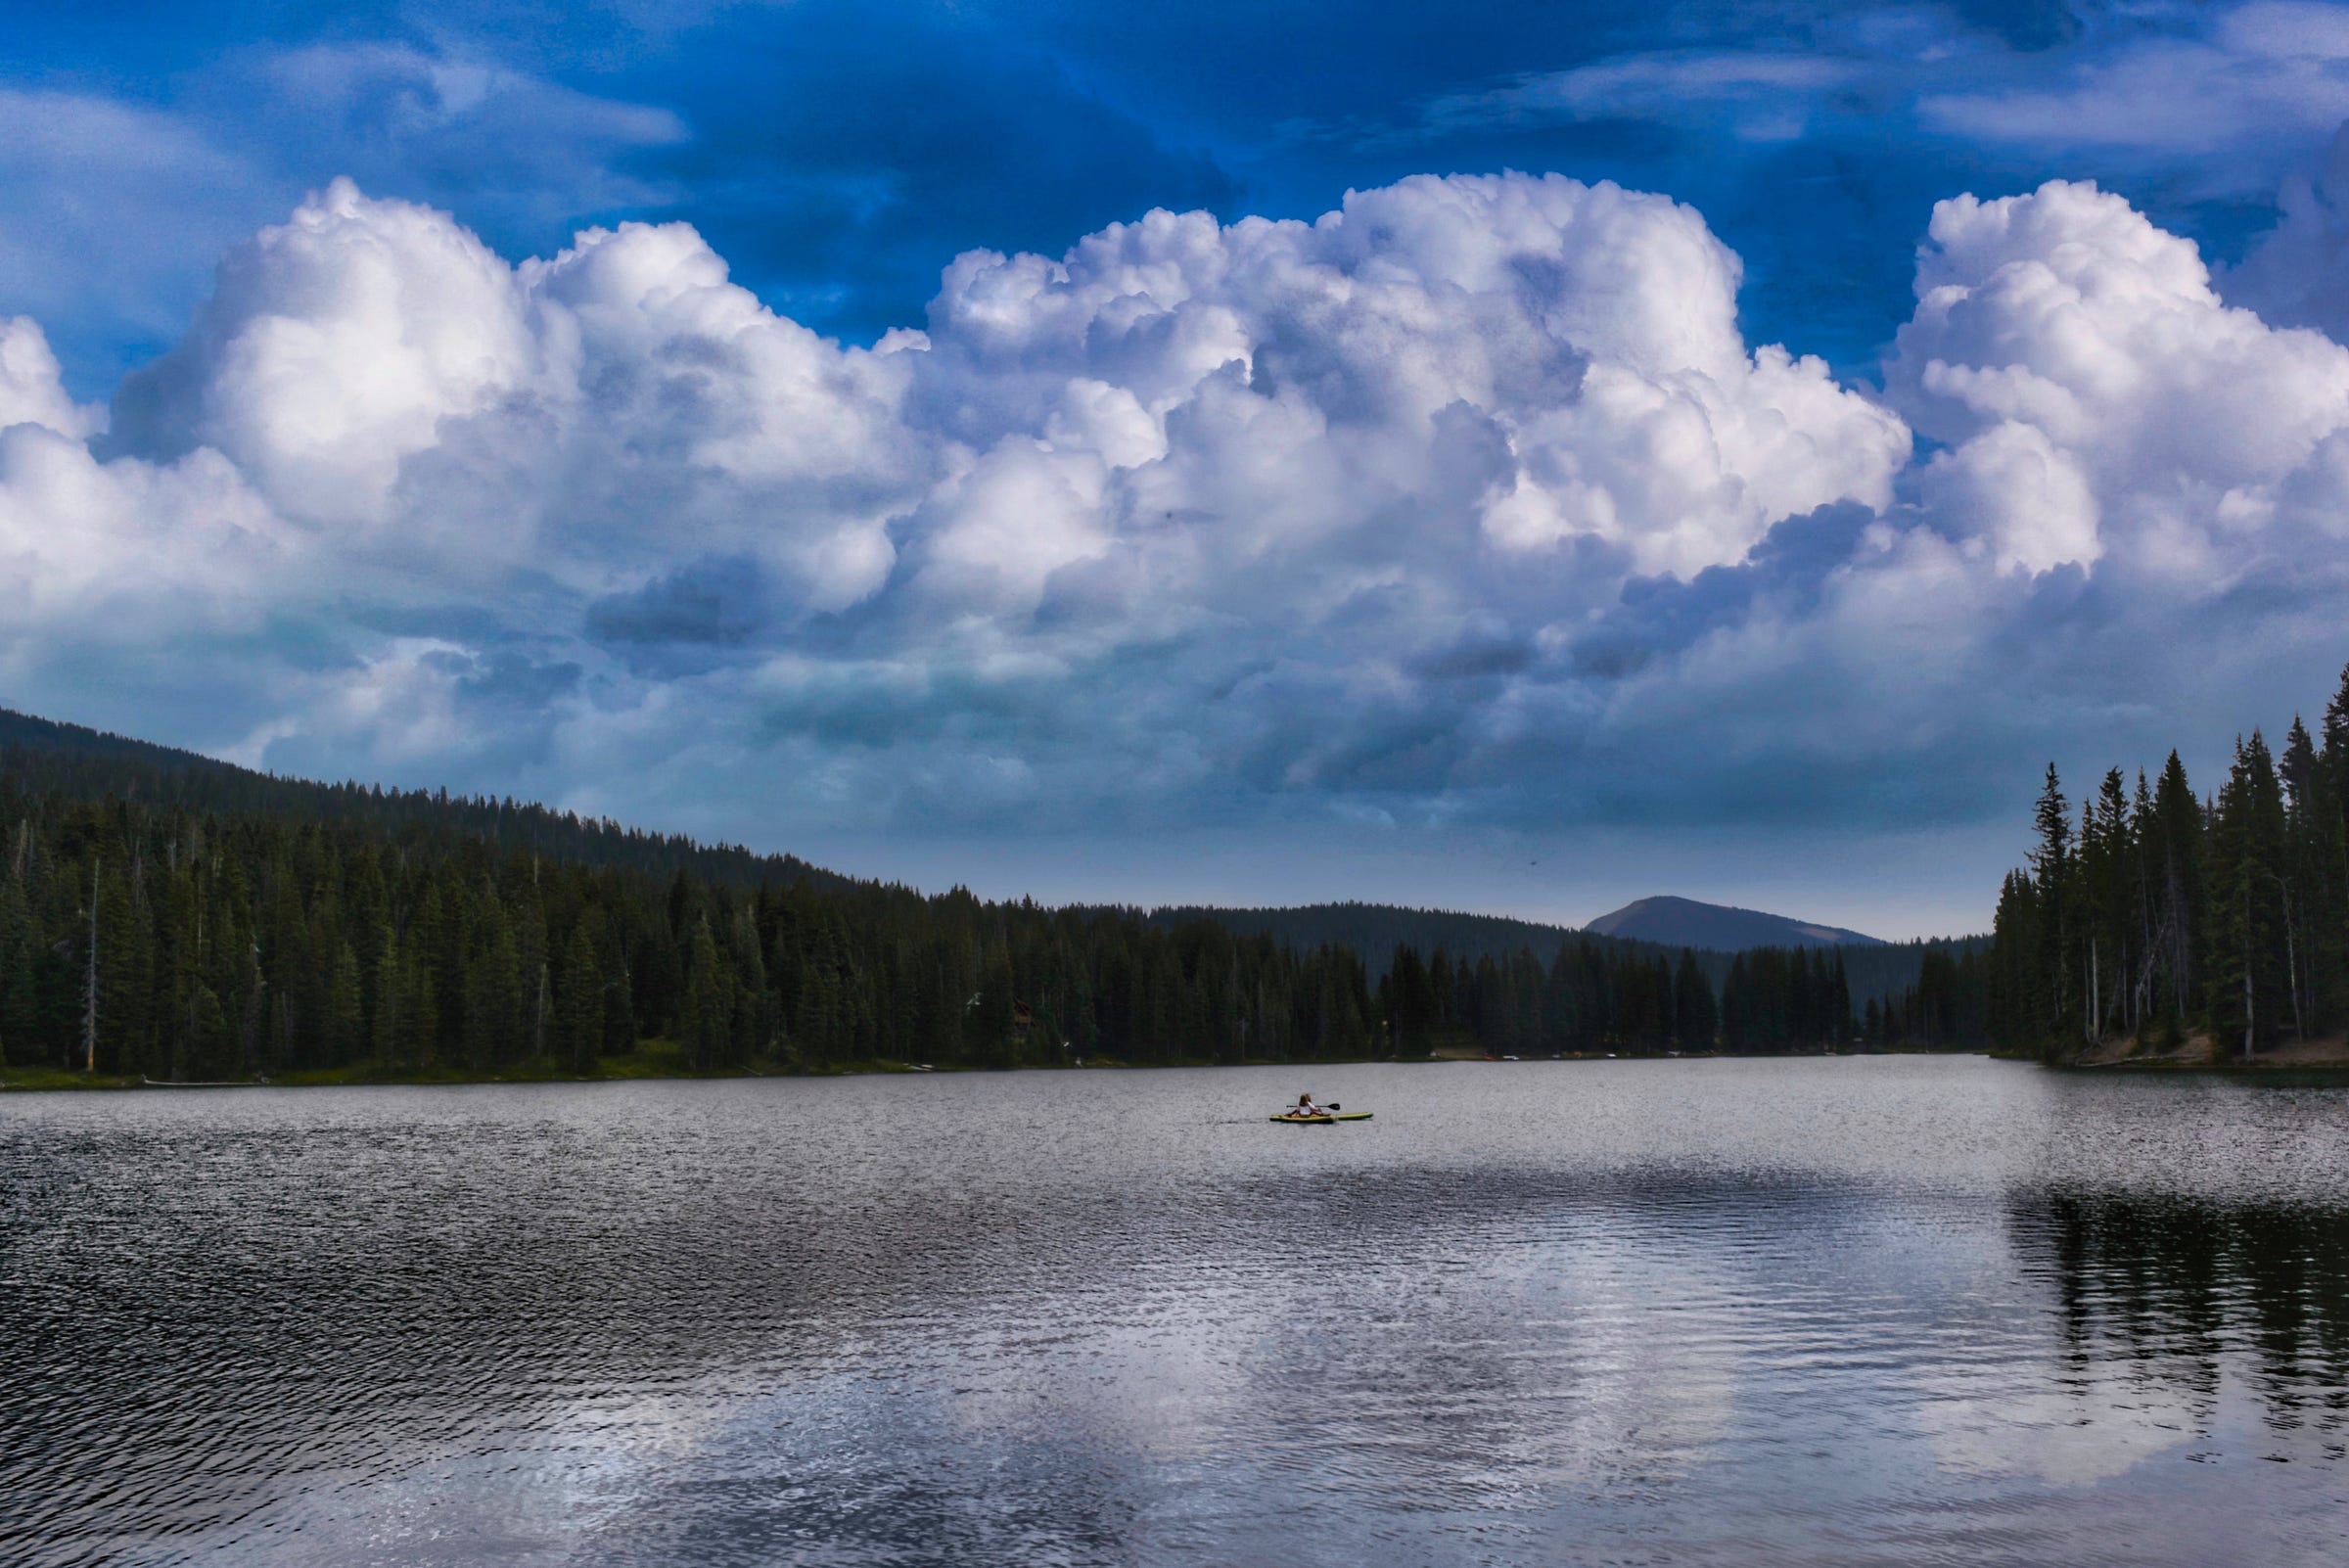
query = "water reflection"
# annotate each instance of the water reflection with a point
(1833, 1312)
(2178, 1295)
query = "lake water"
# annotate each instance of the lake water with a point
(1882, 1310)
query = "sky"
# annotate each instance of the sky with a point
(1518, 460)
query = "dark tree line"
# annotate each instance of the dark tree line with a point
(180, 943)
(1779, 998)
(1595, 996)
(1588, 997)
(1947, 1008)
(166, 915)
(2156, 912)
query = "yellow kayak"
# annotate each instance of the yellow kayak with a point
(1324, 1121)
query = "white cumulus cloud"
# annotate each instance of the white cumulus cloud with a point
(2089, 381)
(1466, 501)
(30, 391)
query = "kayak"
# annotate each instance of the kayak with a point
(1324, 1121)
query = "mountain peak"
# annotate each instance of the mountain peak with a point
(1688, 923)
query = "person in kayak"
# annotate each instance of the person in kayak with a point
(1306, 1107)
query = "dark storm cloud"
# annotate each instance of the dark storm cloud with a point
(715, 601)
(1660, 615)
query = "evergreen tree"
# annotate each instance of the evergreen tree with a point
(386, 1041)
(707, 1025)
(2313, 893)
(346, 1015)
(2107, 886)
(2053, 873)
(2248, 951)
(493, 1007)
(1694, 1010)
(124, 970)
(579, 1002)
(2175, 858)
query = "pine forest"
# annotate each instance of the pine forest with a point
(2157, 915)
(170, 918)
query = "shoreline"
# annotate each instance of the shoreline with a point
(2314, 1061)
(649, 1067)
(652, 1067)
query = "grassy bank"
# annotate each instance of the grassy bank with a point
(58, 1077)
(2199, 1052)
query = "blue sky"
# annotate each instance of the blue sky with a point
(838, 155)
(1465, 542)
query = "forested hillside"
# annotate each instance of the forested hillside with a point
(41, 755)
(166, 915)
(2157, 912)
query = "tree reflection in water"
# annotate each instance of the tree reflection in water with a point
(2179, 1293)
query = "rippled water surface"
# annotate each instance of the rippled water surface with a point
(1885, 1310)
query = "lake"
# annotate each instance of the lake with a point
(1881, 1310)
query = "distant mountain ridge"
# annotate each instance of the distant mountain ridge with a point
(1876, 969)
(1688, 923)
(1374, 929)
